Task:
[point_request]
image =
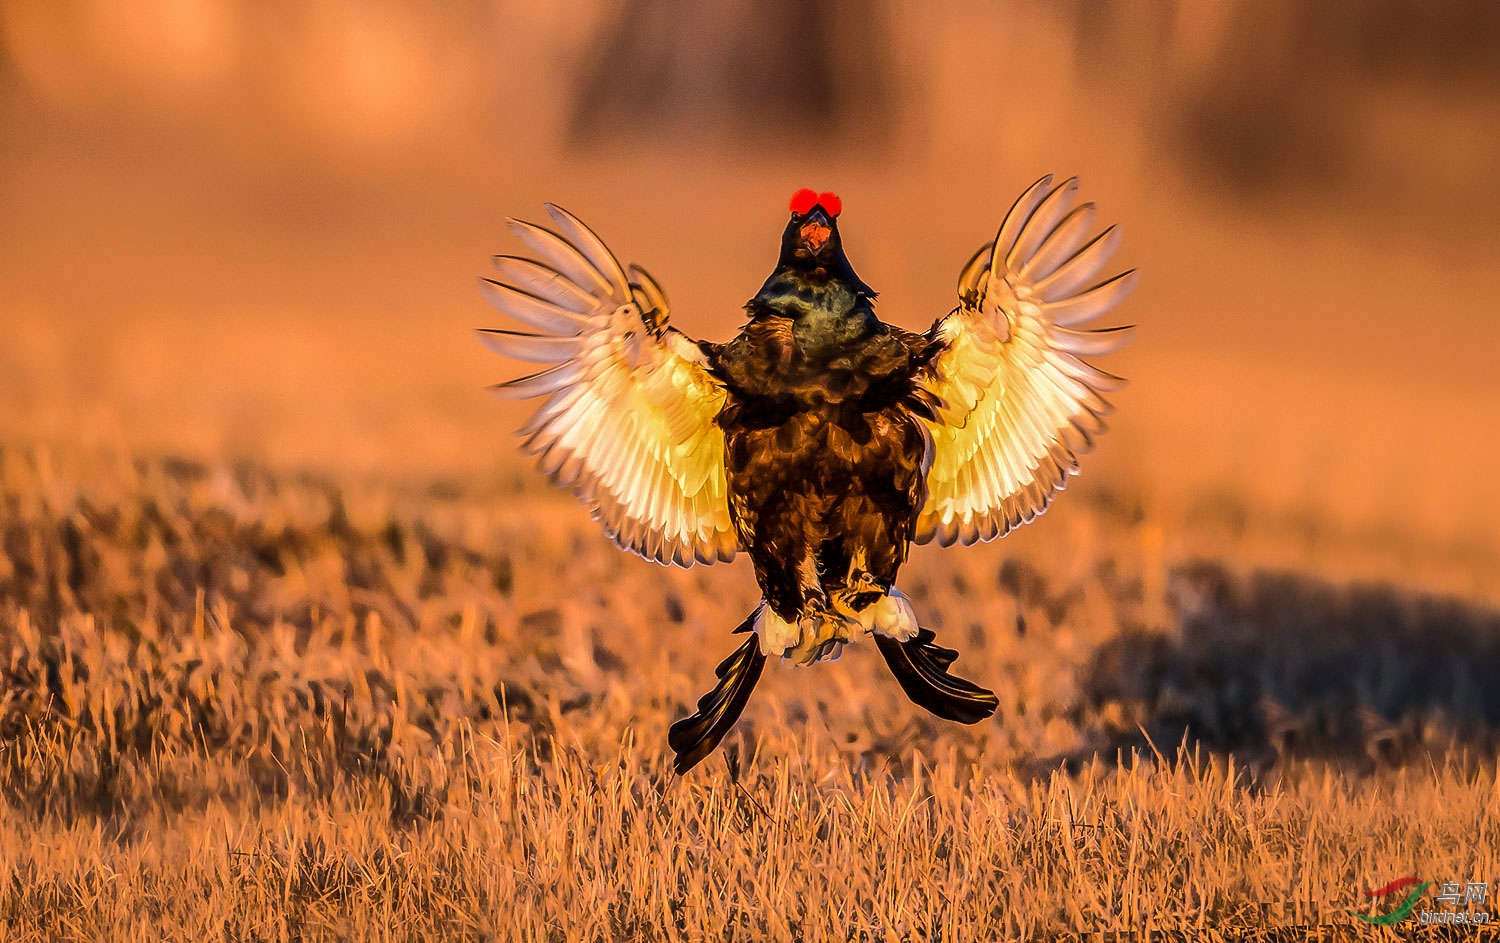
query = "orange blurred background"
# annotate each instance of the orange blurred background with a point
(253, 228)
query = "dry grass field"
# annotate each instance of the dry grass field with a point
(248, 706)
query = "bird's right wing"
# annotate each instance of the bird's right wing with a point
(629, 416)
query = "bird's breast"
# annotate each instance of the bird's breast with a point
(816, 359)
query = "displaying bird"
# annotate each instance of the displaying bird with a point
(821, 440)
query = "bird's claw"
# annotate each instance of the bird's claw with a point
(823, 637)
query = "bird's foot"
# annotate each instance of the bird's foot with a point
(862, 583)
(860, 591)
(819, 634)
(822, 635)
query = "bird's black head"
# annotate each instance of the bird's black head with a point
(810, 244)
(812, 234)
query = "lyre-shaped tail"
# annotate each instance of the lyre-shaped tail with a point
(695, 737)
(922, 669)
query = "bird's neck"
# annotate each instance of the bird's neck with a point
(826, 312)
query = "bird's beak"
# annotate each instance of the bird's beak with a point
(815, 232)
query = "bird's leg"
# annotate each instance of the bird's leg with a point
(858, 592)
(891, 615)
(777, 622)
(777, 635)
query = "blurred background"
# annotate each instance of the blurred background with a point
(252, 229)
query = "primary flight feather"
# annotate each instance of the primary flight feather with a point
(821, 441)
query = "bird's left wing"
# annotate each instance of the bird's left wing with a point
(628, 419)
(1017, 403)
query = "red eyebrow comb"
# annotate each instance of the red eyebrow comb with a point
(804, 200)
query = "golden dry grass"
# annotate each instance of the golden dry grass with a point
(251, 706)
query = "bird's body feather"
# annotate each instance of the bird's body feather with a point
(826, 453)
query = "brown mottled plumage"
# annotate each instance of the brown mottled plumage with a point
(820, 440)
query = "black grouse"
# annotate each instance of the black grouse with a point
(821, 440)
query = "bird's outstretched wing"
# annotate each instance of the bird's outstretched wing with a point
(628, 416)
(1018, 404)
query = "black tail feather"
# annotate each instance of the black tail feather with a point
(695, 737)
(922, 669)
